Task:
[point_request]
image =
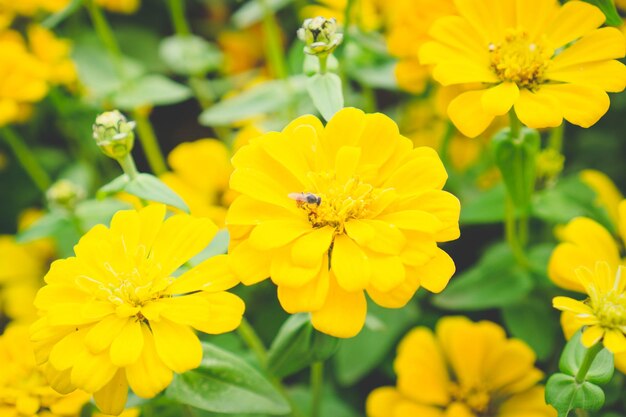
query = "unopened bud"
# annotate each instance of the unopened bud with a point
(114, 134)
(65, 194)
(549, 164)
(320, 35)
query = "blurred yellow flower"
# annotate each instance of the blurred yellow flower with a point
(409, 23)
(243, 50)
(115, 316)
(24, 390)
(549, 62)
(120, 6)
(608, 196)
(331, 212)
(129, 412)
(603, 314)
(23, 78)
(465, 369)
(10, 8)
(200, 173)
(369, 15)
(54, 53)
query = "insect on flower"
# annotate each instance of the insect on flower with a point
(308, 198)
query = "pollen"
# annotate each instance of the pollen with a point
(476, 398)
(520, 59)
(610, 310)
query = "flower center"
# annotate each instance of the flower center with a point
(476, 398)
(519, 59)
(334, 202)
(610, 310)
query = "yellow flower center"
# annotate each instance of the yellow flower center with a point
(334, 202)
(610, 310)
(477, 399)
(519, 59)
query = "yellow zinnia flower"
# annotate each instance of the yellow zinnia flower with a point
(369, 15)
(120, 6)
(608, 195)
(24, 390)
(603, 314)
(115, 316)
(466, 369)
(54, 53)
(331, 212)
(547, 61)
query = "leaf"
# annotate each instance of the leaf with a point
(297, 345)
(485, 207)
(218, 246)
(113, 187)
(190, 55)
(150, 90)
(565, 394)
(496, 281)
(533, 321)
(516, 159)
(358, 356)
(261, 99)
(93, 212)
(46, 226)
(326, 93)
(149, 187)
(226, 384)
(332, 404)
(608, 8)
(252, 12)
(601, 370)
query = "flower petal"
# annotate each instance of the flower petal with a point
(111, 399)
(607, 75)
(307, 298)
(435, 275)
(591, 335)
(212, 275)
(615, 341)
(308, 249)
(600, 45)
(349, 264)
(177, 345)
(498, 100)
(573, 20)
(468, 115)
(149, 375)
(538, 110)
(343, 313)
(581, 105)
(127, 346)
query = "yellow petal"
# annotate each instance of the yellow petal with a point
(607, 75)
(573, 20)
(249, 264)
(111, 399)
(285, 272)
(149, 375)
(278, 233)
(308, 249)
(387, 272)
(307, 298)
(528, 403)
(127, 346)
(467, 113)
(343, 313)
(581, 105)
(498, 100)
(347, 124)
(435, 275)
(568, 304)
(225, 313)
(600, 45)
(535, 15)
(212, 275)
(615, 341)
(64, 353)
(397, 297)
(381, 401)
(349, 264)
(457, 33)
(248, 211)
(416, 220)
(151, 219)
(423, 171)
(463, 72)
(91, 372)
(591, 335)
(490, 18)
(177, 345)
(510, 363)
(347, 162)
(538, 110)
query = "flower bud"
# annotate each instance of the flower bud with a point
(114, 134)
(320, 35)
(65, 194)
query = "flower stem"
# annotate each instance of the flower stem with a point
(273, 43)
(27, 159)
(445, 145)
(591, 354)
(179, 19)
(149, 143)
(317, 381)
(512, 235)
(128, 165)
(555, 141)
(515, 124)
(106, 35)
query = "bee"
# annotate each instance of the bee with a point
(306, 198)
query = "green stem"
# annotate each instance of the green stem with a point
(317, 381)
(27, 159)
(347, 21)
(515, 124)
(128, 165)
(591, 354)
(149, 142)
(106, 34)
(273, 47)
(445, 144)
(323, 60)
(511, 232)
(555, 141)
(179, 19)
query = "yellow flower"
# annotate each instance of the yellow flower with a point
(120, 6)
(465, 369)
(23, 78)
(129, 412)
(608, 196)
(54, 53)
(24, 391)
(603, 314)
(115, 316)
(409, 23)
(200, 173)
(243, 49)
(548, 61)
(369, 15)
(331, 212)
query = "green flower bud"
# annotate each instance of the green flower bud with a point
(320, 36)
(114, 134)
(65, 194)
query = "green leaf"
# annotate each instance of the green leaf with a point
(253, 11)
(359, 355)
(326, 93)
(225, 383)
(259, 100)
(190, 55)
(113, 187)
(565, 394)
(297, 345)
(46, 226)
(533, 320)
(601, 369)
(149, 187)
(93, 212)
(150, 90)
(332, 404)
(608, 8)
(516, 159)
(485, 207)
(495, 282)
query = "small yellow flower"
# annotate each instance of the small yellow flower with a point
(120, 6)
(465, 369)
(369, 15)
(608, 195)
(549, 62)
(54, 53)
(603, 314)
(115, 316)
(331, 212)
(243, 49)
(24, 390)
